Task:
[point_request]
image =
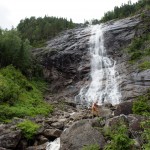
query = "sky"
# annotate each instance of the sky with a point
(12, 11)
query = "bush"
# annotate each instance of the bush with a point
(119, 139)
(145, 65)
(146, 134)
(28, 128)
(19, 97)
(142, 105)
(91, 147)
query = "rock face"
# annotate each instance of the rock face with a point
(66, 59)
(81, 134)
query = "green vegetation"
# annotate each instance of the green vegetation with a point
(139, 51)
(19, 97)
(145, 65)
(28, 128)
(119, 138)
(91, 147)
(126, 10)
(38, 30)
(142, 105)
(146, 134)
(14, 50)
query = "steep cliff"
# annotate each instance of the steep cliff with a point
(66, 58)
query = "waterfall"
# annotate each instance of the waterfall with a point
(55, 145)
(103, 87)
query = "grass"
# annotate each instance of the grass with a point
(19, 97)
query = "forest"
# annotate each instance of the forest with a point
(125, 10)
(38, 30)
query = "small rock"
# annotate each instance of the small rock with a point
(41, 139)
(22, 145)
(51, 120)
(108, 105)
(50, 133)
(39, 147)
(1, 148)
(58, 125)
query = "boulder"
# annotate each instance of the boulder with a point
(58, 125)
(1, 148)
(10, 139)
(124, 108)
(115, 121)
(52, 133)
(38, 147)
(23, 144)
(80, 134)
(135, 122)
(41, 139)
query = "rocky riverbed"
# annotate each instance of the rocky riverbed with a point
(75, 126)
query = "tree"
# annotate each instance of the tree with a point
(13, 50)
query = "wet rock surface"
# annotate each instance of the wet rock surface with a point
(66, 59)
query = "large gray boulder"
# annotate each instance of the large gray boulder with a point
(80, 134)
(9, 136)
(10, 140)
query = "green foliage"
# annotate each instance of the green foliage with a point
(145, 65)
(119, 139)
(28, 128)
(91, 147)
(125, 10)
(38, 30)
(139, 51)
(14, 50)
(146, 134)
(142, 105)
(19, 97)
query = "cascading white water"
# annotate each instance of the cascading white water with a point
(103, 87)
(55, 145)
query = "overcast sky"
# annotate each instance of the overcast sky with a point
(12, 11)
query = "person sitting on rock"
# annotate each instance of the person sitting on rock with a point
(95, 111)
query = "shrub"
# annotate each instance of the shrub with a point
(142, 105)
(91, 147)
(119, 139)
(146, 134)
(139, 48)
(145, 65)
(19, 97)
(28, 128)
